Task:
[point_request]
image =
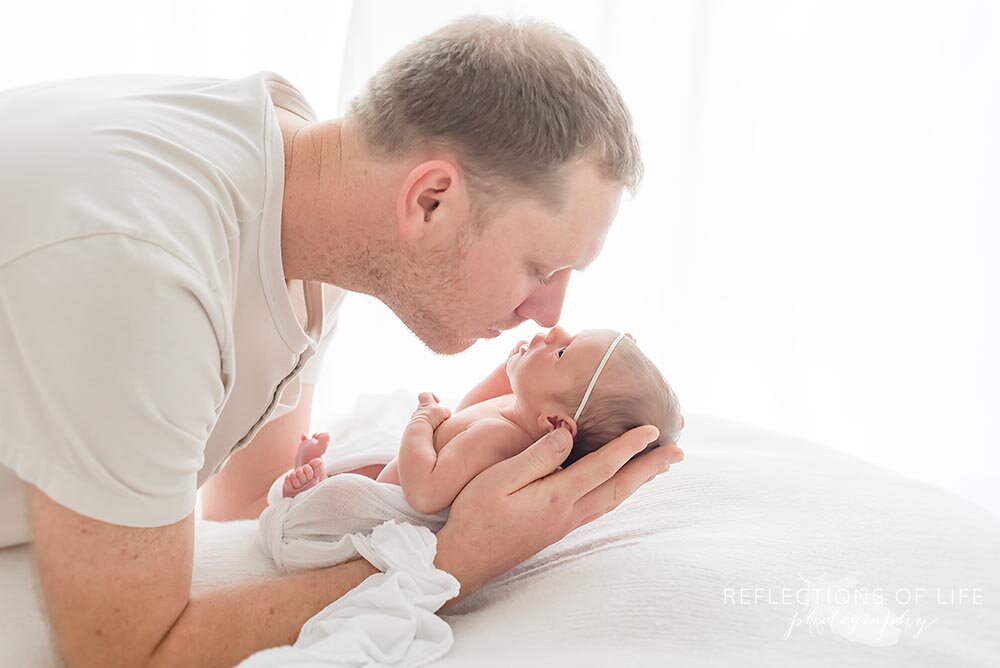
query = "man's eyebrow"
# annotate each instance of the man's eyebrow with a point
(548, 269)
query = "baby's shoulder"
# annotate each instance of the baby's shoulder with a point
(495, 432)
(497, 424)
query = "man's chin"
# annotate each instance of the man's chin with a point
(449, 346)
(452, 349)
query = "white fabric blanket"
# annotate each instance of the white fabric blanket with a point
(647, 584)
(389, 619)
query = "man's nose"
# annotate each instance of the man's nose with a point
(544, 305)
(556, 334)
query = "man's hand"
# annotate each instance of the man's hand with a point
(518, 507)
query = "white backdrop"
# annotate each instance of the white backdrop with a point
(813, 250)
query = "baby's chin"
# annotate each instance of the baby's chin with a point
(512, 362)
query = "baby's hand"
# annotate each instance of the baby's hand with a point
(429, 411)
(516, 349)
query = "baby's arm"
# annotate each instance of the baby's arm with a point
(496, 384)
(431, 480)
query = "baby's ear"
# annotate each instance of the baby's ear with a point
(553, 422)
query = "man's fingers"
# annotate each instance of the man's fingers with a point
(606, 496)
(599, 466)
(537, 461)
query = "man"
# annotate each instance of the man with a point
(164, 242)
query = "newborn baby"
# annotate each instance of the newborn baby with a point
(596, 384)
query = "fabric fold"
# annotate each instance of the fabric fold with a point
(387, 620)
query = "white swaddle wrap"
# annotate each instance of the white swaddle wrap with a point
(387, 620)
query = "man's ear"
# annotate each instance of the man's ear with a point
(553, 422)
(431, 199)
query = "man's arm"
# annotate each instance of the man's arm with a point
(119, 596)
(239, 491)
(518, 507)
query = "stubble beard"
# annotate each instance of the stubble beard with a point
(426, 292)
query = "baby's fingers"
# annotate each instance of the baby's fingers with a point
(426, 399)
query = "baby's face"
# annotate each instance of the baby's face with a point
(554, 363)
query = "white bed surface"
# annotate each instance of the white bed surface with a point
(647, 584)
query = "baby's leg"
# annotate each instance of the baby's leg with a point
(390, 473)
(309, 469)
(371, 471)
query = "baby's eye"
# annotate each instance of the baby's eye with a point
(544, 280)
(559, 353)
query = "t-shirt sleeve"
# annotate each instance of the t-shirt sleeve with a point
(110, 354)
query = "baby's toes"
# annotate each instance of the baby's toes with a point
(300, 476)
(317, 467)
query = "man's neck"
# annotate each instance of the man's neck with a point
(334, 199)
(295, 197)
(314, 189)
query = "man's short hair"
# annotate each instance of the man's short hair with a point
(516, 101)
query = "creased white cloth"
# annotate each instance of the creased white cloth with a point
(646, 585)
(388, 620)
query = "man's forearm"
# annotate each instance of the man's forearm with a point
(221, 627)
(239, 491)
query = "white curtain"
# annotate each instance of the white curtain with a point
(813, 250)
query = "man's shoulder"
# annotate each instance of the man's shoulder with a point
(180, 162)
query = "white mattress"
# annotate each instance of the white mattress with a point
(647, 584)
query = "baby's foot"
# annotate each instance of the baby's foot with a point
(309, 469)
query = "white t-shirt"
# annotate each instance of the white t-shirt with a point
(146, 328)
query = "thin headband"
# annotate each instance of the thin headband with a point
(593, 381)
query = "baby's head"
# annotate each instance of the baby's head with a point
(550, 376)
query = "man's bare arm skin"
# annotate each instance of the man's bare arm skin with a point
(121, 596)
(239, 491)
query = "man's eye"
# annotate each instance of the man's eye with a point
(559, 353)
